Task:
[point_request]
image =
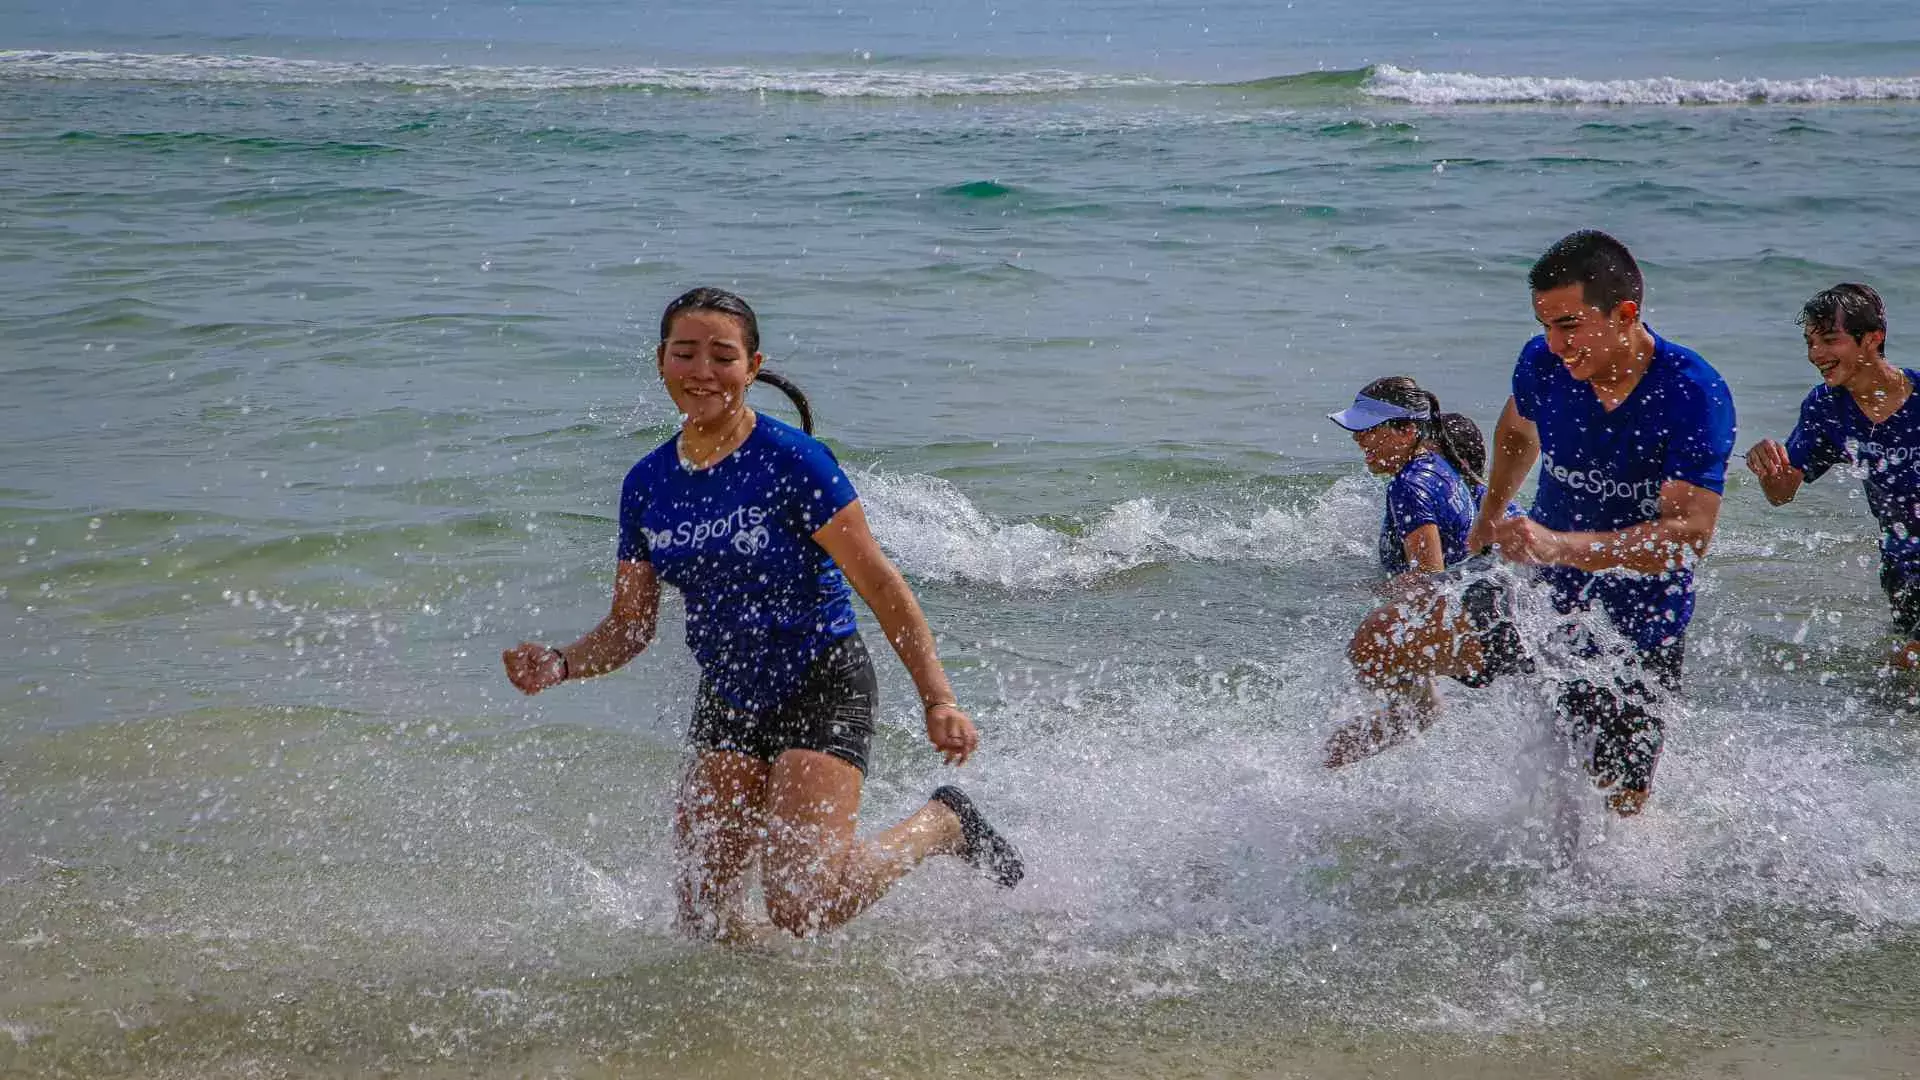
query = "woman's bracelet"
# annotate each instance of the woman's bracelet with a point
(564, 672)
(929, 706)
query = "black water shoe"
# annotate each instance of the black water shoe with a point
(980, 845)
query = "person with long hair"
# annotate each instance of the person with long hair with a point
(1433, 461)
(760, 529)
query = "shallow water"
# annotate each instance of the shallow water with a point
(325, 339)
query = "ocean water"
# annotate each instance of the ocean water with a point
(325, 339)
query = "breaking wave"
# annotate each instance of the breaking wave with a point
(1459, 88)
(1381, 82)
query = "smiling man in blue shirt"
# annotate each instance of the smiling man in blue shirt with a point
(1862, 413)
(1632, 433)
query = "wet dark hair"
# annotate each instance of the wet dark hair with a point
(1460, 432)
(706, 298)
(1602, 267)
(1451, 435)
(1847, 306)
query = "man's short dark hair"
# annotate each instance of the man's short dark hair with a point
(1848, 306)
(1602, 267)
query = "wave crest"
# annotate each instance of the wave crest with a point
(1460, 88)
(1383, 81)
(274, 70)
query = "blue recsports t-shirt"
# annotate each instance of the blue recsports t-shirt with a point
(763, 599)
(1832, 429)
(1426, 491)
(1601, 471)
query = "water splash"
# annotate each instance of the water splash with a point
(934, 532)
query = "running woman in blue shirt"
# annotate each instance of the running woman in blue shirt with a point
(1632, 434)
(1434, 461)
(758, 527)
(1862, 413)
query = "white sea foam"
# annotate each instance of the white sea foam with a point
(273, 70)
(1459, 88)
(934, 532)
(1383, 81)
(1212, 829)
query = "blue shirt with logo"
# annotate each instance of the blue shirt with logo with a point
(1426, 491)
(1601, 471)
(1885, 456)
(763, 599)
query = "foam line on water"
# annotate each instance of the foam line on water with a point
(1383, 81)
(873, 82)
(1463, 88)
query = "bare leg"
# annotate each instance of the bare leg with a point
(817, 874)
(718, 824)
(1397, 652)
(1905, 656)
(1628, 801)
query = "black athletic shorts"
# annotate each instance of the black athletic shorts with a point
(1627, 734)
(1903, 595)
(832, 712)
(1489, 610)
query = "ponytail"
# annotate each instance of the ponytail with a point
(1458, 439)
(780, 383)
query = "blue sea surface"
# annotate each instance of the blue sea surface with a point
(326, 335)
(1222, 41)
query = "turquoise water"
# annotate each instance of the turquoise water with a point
(325, 336)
